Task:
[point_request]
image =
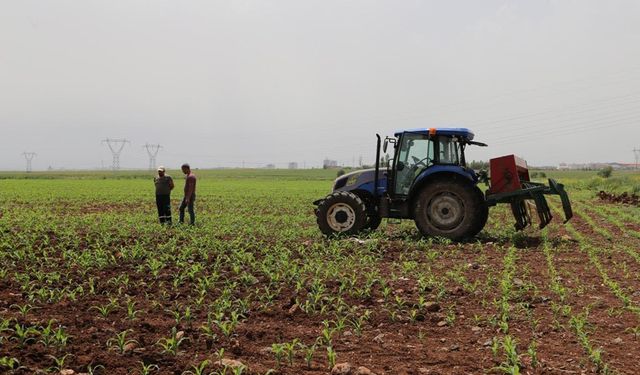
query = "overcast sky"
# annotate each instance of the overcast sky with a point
(219, 83)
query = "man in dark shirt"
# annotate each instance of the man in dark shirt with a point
(189, 194)
(164, 185)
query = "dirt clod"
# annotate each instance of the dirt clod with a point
(364, 371)
(341, 369)
(432, 306)
(233, 363)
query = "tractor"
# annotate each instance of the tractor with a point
(427, 180)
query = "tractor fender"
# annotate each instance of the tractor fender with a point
(441, 173)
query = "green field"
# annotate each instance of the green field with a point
(91, 282)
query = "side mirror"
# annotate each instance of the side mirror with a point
(400, 166)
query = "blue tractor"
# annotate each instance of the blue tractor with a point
(427, 180)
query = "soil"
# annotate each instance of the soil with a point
(625, 198)
(424, 346)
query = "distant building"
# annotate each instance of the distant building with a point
(327, 163)
(270, 166)
(293, 165)
(595, 166)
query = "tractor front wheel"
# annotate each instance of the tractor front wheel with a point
(450, 208)
(341, 212)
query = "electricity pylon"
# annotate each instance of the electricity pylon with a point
(116, 146)
(152, 151)
(28, 156)
(636, 153)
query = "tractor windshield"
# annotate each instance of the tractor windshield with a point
(416, 153)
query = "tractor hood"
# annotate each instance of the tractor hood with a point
(359, 180)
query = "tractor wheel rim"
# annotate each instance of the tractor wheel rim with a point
(341, 217)
(445, 211)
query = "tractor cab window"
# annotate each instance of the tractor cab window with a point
(448, 151)
(416, 153)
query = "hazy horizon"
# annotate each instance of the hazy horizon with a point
(219, 84)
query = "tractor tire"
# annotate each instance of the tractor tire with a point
(341, 212)
(373, 222)
(483, 213)
(450, 208)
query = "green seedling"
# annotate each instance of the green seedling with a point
(120, 341)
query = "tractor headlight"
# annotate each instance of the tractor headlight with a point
(348, 180)
(352, 179)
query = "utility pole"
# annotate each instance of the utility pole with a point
(28, 156)
(116, 146)
(152, 151)
(636, 153)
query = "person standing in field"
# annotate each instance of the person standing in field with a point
(164, 185)
(189, 194)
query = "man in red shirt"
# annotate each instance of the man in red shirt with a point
(189, 194)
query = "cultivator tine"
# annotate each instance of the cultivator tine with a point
(520, 213)
(558, 188)
(544, 213)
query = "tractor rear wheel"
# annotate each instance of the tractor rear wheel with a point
(341, 212)
(483, 213)
(450, 208)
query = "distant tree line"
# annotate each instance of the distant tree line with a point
(478, 165)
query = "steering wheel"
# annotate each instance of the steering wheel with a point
(411, 173)
(418, 162)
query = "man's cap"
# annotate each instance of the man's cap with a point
(161, 169)
(186, 165)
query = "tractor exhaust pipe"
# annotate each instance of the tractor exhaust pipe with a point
(375, 181)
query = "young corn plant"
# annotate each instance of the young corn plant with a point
(511, 365)
(120, 342)
(209, 332)
(290, 350)
(59, 362)
(47, 334)
(132, 313)
(278, 351)
(172, 343)
(331, 357)
(9, 363)
(104, 310)
(198, 369)
(533, 353)
(24, 335)
(24, 309)
(579, 324)
(147, 369)
(92, 370)
(309, 352)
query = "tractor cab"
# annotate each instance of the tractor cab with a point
(422, 152)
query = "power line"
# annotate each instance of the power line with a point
(116, 146)
(28, 156)
(560, 111)
(566, 131)
(575, 125)
(152, 151)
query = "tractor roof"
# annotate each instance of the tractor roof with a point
(460, 132)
